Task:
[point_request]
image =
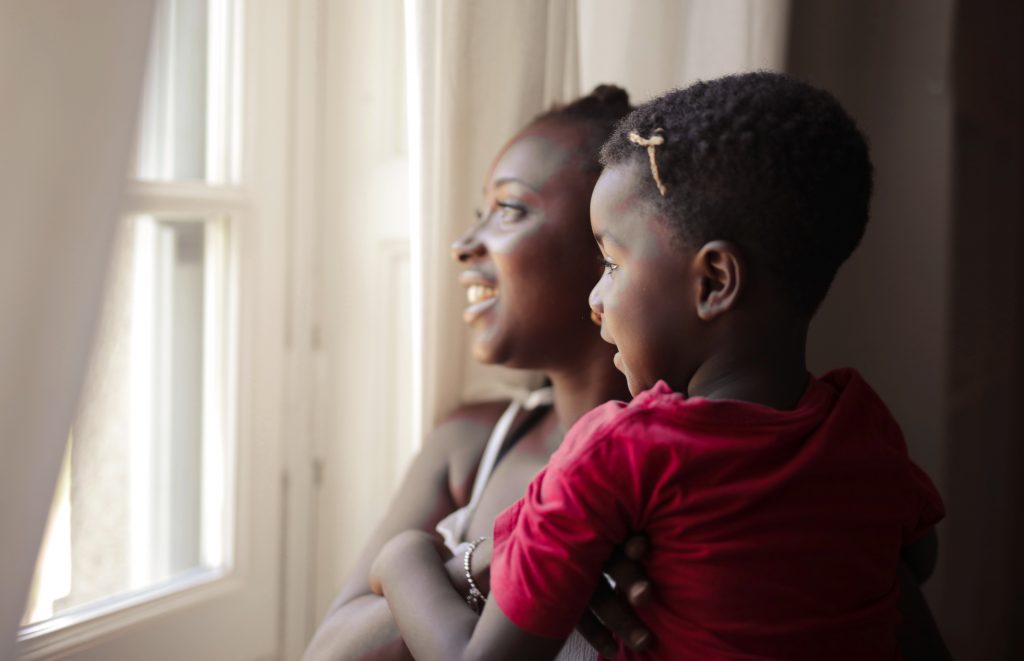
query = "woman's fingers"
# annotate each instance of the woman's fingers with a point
(597, 635)
(627, 573)
(630, 581)
(618, 618)
(636, 547)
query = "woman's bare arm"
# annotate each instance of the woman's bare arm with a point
(359, 624)
(434, 618)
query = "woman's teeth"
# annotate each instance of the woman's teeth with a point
(477, 293)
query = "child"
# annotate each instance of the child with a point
(776, 503)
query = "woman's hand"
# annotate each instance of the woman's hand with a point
(394, 556)
(610, 616)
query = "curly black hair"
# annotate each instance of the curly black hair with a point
(601, 111)
(764, 161)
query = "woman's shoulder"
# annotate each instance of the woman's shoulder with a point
(460, 438)
(468, 424)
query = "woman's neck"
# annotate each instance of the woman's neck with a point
(586, 385)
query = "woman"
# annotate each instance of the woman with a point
(530, 262)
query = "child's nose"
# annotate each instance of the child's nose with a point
(596, 302)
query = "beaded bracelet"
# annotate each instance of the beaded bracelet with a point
(475, 598)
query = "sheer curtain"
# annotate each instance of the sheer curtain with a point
(70, 74)
(653, 46)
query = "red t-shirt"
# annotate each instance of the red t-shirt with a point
(774, 534)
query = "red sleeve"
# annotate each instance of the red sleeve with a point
(550, 546)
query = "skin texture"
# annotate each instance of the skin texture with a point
(532, 242)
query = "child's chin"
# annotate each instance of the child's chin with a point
(635, 388)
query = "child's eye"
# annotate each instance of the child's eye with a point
(609, 266)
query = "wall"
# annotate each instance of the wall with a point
(982, 605)
(888, 63)
(930, 309)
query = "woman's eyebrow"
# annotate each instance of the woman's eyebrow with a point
(514, 180)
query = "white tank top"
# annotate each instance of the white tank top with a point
(453, 527)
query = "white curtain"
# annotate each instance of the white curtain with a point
(70, 76)
(653, 46)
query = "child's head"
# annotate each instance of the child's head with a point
(757, 193)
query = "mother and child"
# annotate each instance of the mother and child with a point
(776, 506)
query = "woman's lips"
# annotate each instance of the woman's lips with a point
(481, 295)
(478, 308)
(477, 293)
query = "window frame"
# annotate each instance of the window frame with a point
(240, 606)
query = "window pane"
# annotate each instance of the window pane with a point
(142, 499)
(189, 125)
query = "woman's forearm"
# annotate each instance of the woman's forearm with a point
(431, 614)
(362, 628)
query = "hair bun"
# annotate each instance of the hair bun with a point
(605, 101)
(610, 95)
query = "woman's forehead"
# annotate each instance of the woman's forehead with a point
(536, 155)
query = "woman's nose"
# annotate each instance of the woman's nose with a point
(468, 247)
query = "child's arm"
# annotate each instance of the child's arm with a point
(434, 619)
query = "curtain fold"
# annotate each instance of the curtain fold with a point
(71, 76)
(657, 45)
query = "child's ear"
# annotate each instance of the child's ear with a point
(720, 270)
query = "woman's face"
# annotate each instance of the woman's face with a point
(530, 259)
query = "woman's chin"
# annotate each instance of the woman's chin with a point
(478, 313)
(485, 348)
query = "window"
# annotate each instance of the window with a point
(145, 502)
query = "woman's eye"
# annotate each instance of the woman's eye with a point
(510, 211)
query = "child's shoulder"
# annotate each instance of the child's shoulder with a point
(615, 419)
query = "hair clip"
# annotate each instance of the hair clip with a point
(651, 142)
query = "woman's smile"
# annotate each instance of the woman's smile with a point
(481, 293)
(477, 293)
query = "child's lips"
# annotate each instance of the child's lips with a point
(617, 361)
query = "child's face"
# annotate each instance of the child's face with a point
(646, 296)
